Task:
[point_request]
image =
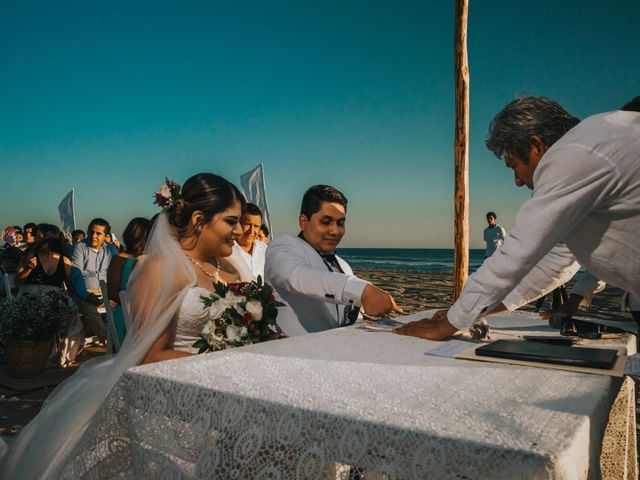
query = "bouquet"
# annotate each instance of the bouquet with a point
(239, 314)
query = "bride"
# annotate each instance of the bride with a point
(190, 249)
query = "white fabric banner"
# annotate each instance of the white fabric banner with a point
(67, 214)
(255, 192)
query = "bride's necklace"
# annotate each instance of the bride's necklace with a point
(202, 269)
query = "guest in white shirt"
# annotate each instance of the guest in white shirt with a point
(585, 179)
(493, 235)
(248, 246)
(319, 287)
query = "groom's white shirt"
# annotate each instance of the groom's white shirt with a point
(315, 296)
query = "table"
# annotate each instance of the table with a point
(310, 406)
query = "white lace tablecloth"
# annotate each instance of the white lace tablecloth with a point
(309, 407)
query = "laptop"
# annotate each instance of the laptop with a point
(547, 353)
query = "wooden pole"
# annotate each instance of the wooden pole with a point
(461, 151)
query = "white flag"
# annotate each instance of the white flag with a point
(255, 192)
(67, 215)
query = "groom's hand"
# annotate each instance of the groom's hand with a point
(376, 302)
(435, 328)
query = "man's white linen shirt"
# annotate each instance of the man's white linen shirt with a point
(255, 260)
(494, 237)
(587, 193)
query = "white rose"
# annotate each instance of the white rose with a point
(165, 191)
(243, 332)
(254, 307)
(217, 308)
(233, 333)
(232, 299)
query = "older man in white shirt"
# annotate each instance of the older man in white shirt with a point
(585, 179)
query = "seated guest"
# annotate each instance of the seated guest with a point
(111, 239)
(135, 239)
(77, 236)
(12, 237)
(319, 287)
(248, 246)
(263, 235)
(46, 263)
(9, 262)
(90, 260)
(30, 232)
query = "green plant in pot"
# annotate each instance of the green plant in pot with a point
(28, 326)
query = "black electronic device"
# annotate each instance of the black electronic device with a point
(547, 353)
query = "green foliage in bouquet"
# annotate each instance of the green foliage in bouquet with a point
(239, 314)
(36, 316)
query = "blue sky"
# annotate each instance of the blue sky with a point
(110, 97)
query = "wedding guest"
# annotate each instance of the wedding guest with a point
(493, 235)
(46, 263)
(248, 246)
(12, 237)
(191, 245)
(90, 260)
(263, 235)
(110, 239)
(30, 231)
(77, 236)
(319, 287)
(584, 178)
(9, 237)
(135, 239)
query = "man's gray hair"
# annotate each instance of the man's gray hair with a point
(511, 130)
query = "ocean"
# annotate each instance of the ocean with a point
(414, 259)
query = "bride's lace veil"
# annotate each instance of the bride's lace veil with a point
(156, 290)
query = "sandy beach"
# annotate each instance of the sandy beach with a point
(415, 291)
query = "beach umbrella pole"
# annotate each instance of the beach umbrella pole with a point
(461, 151)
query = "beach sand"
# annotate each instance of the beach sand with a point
(415, 291)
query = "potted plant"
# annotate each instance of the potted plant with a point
(28, 326)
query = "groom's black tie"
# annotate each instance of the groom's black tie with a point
(331, 259)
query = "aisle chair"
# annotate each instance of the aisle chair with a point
(126, 309)
(7, 285)
(113, 342)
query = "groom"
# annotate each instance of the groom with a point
(319, 287)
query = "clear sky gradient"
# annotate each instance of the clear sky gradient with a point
(110, 97)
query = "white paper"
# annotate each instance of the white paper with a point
(632, 367)
(449, 349)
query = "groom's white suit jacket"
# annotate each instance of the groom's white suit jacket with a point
(315, 296)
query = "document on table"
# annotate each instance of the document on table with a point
(387, 324)
(449, 348)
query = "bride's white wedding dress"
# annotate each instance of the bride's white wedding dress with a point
(64, 440)
(191, 318)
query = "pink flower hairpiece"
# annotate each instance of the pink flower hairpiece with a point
(168, 194)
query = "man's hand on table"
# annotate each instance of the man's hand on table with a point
(376, 302)
(434, 328)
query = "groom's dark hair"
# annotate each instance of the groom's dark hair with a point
(313, 198)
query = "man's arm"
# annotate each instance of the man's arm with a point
(287, 268)
(555, 269)
(560, 202)
(77, 271)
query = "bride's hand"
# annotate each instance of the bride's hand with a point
(275, 336)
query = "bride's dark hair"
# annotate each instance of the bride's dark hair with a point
(207, 193)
